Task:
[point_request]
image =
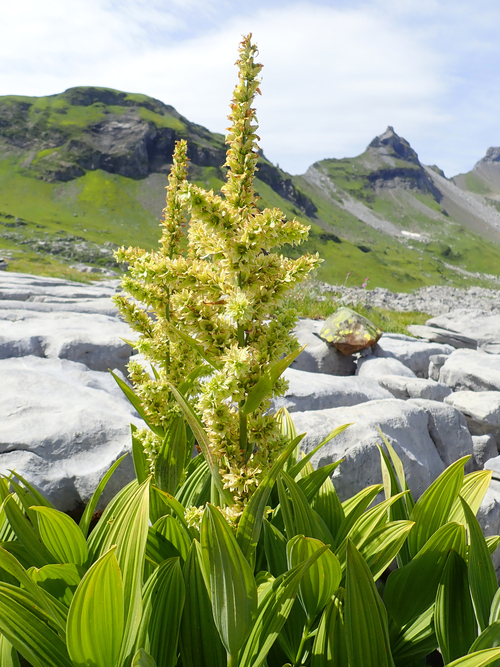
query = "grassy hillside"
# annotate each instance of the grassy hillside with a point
(84, 172)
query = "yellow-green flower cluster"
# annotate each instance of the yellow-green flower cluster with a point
(224, 291)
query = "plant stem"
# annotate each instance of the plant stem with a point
(243, 441)
(305, 636)
(232, 660)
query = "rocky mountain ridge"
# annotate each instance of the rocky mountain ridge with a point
(91, 164)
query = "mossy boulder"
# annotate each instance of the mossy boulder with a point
(349, 331)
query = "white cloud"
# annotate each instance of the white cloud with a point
(336, 73)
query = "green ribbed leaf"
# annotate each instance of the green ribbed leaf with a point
(232, 585)
(327, 504)
(415, 640)
(311, 484)
(353, 508)
(305, 520)
(174, 532)
(175, 506)
(482, 578)
(60, 581)
(8, 654)
(10, 564)
(96, 615)
(492, 543)
(141, 463)
(163, 603)
(432, 509)
(124, 523)
(200, 642)
(169, 464)
(478, 659)
(399, 510)
(321, 580)
(143, 659)
(28, 629)
(410, 590)
(273, 612)
(196, 489)
(250, 523)
(367, 633)
(265, 384)
(92, 504)
(38, 498)
(455, 622)
(25, 533)
(298, 467)
(473, 490)
(383, 546)
(489, 638)
(137, 404)
(397, 464)
(61, 535)
(495, 608)
(366, 526)
(329, 648)
(275, 549)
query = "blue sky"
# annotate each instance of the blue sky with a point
(336, 72)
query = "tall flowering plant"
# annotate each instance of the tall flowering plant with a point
(214, 306)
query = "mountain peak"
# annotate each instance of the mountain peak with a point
(392, 145)
(492, 155)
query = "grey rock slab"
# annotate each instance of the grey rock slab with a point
(493, 464)
(318, 391)
(92, 339)
(376, 367)
(405, 388)
(484, 448)
(414, 431)
(448, 430)
(446, 336)
(319, 356)
(413, 353)
(25, 287)
(100, 305)
(62, 426)
(436, 362)
(473, 370)
(482, 325)
(481, 409)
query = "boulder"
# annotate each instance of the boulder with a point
(485, 448)
(480, 325)
(92, 339)
(318, 391)
(418, 435)
(438, 335)
(436, 362)
(405, 387)
(319, 357)
(349, 331)
(473, 370)
(413, 353)
(481, 409)
(376, 367)
(448, 430)
(62, 427)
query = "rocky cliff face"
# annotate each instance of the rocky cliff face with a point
(93, 128)
(86, 128)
